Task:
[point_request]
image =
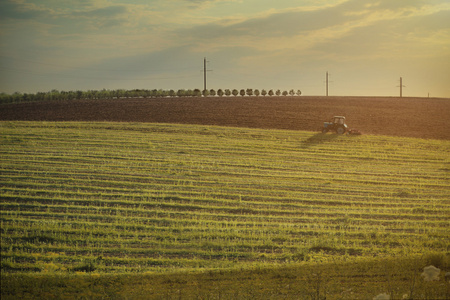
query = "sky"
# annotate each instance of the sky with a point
(364, 45)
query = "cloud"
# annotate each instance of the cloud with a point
(202, 3)
(401, 4)
(17, 10)
(438, 20)
(198, 1)
(62, 17)
(392, 37)
(288, 23)
(297, 21)
(104, 12)
(106, 17)
(350, 22)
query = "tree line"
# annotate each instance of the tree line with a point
(138, 93)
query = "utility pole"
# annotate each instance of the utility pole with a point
(401, 87)
(204, 73)
(327, 81)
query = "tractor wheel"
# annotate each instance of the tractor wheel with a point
(340, 130)
(324, 130)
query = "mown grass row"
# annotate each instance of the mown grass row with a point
(120, 197)
(398, 278)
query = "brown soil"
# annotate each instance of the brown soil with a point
(410, 117)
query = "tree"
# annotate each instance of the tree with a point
(212, 92)
(205, 93)
(130, 94)
(101, 94)
(227, 92)
(157, 93)
(256, 92)
(163, 93)
(235, 92)
(299, 92)
(263, 92)
(197, 93)
(249, 92)
(242, 93)
(140, 93)
(62, 96)
(5, 98)
(119, 93)
(181, 93)
(79, 94)
(146, 93)
(278, 93)
(54, 95)
(220, 92)
(270, 92)
(291, 92)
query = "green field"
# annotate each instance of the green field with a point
(84, 201)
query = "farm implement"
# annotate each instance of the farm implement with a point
(338, 126)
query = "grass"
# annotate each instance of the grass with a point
(398, 278)
(154, 200)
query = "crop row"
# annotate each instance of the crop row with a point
(152, 197)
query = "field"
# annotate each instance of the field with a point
(406, 117)
(146, 210)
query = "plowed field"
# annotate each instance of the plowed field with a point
(409, 117)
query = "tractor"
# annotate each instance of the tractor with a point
(337, 125)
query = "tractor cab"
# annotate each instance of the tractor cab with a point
(338, 120)
(337, 125)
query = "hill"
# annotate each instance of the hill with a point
(407, 117)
